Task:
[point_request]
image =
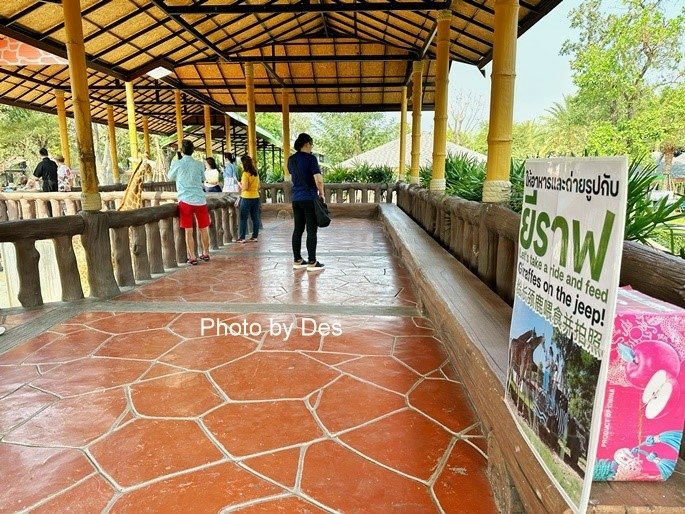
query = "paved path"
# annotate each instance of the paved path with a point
(182, 395)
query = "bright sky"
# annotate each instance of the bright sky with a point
(542, 75)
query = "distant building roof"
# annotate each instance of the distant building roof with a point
(389, 153)
(678, 168)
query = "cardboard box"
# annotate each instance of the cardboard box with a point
(644, 403)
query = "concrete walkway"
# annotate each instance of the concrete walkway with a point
(242, 385)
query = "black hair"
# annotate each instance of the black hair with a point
(248, 165)
(211, 162)
(230, 157)
(43, 152)
(302, 140)
(187, 147)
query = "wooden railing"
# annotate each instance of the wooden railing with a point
(352, 192)
(484, 238)
(121, 247)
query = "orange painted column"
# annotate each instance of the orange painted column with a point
(417, 95)
(497, 187)
(208, 131)
(437, 183)
(113, 144)
(90, 197)
(63, 132)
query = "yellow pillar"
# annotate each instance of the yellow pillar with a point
(251, 123)
(179, 119)
(132, 129)
(285, 106)
(90, 197)
(403, 134)
(417, 95)
(62, 120)
(440, 121)
(146, 137)
(227, 129)
(208, 131)
(113, 144)
(497, 188)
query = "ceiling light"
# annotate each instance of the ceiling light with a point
(159, 72)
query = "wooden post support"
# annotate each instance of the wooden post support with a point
(180, 241)
(154, 247)
(285, 107)
(68, 269)
(29, 277)
(168, 248)
(95, 240)
(90, 197)
(179, 119)
(141, 264)
(123, 267)
(146, 137)
(132, 129)
(227, 133)
(208, 130)
(113, 144)
(416, 102)
(437, 183)
(497, 188)
(62, 121)
(213, 236)
(403, 134)
(251, 122)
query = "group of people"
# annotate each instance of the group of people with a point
(54, 174)
(192, 182)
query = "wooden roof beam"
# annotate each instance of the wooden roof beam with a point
(319, 58)
(237, 8)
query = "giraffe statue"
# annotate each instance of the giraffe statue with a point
(133, 196)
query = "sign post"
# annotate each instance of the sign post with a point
(570, 246)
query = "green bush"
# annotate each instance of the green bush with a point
(643, 217)
(361, 173)
(337, 175)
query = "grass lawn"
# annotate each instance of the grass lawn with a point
(567, 478)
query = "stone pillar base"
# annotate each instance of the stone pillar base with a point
(438, 185)
(91, 202)
(496, 191)
(414, 180)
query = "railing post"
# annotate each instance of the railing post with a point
(487, 250)
(168, 247)
(154, 247)
(506, 257)
(3, 210)
(141, 264)
(180, 241)
(68, 269)
(213, 240)
(95, 240)
(123, 267)
(29, 276)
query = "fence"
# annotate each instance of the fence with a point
(484, 237)
(121, 247)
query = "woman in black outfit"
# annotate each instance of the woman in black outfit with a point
(307, 186)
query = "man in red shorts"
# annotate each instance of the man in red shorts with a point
(189, 176)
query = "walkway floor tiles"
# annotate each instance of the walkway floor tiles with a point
(119, 411)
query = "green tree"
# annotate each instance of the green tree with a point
(563, 131)
(623, 63)
(24, 132)
(340, 136)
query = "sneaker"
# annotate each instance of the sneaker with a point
(241, 241)
(315, 266)
(299, 264)
(204, 257)
(253, 240)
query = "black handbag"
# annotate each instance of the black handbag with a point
(323, 216)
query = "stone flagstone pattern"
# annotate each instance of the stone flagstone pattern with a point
(113, 411)
(250, 422)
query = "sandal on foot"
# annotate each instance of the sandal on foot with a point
(204, 257)
(192, 262)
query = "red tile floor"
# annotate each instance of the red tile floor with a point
(144, 406)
